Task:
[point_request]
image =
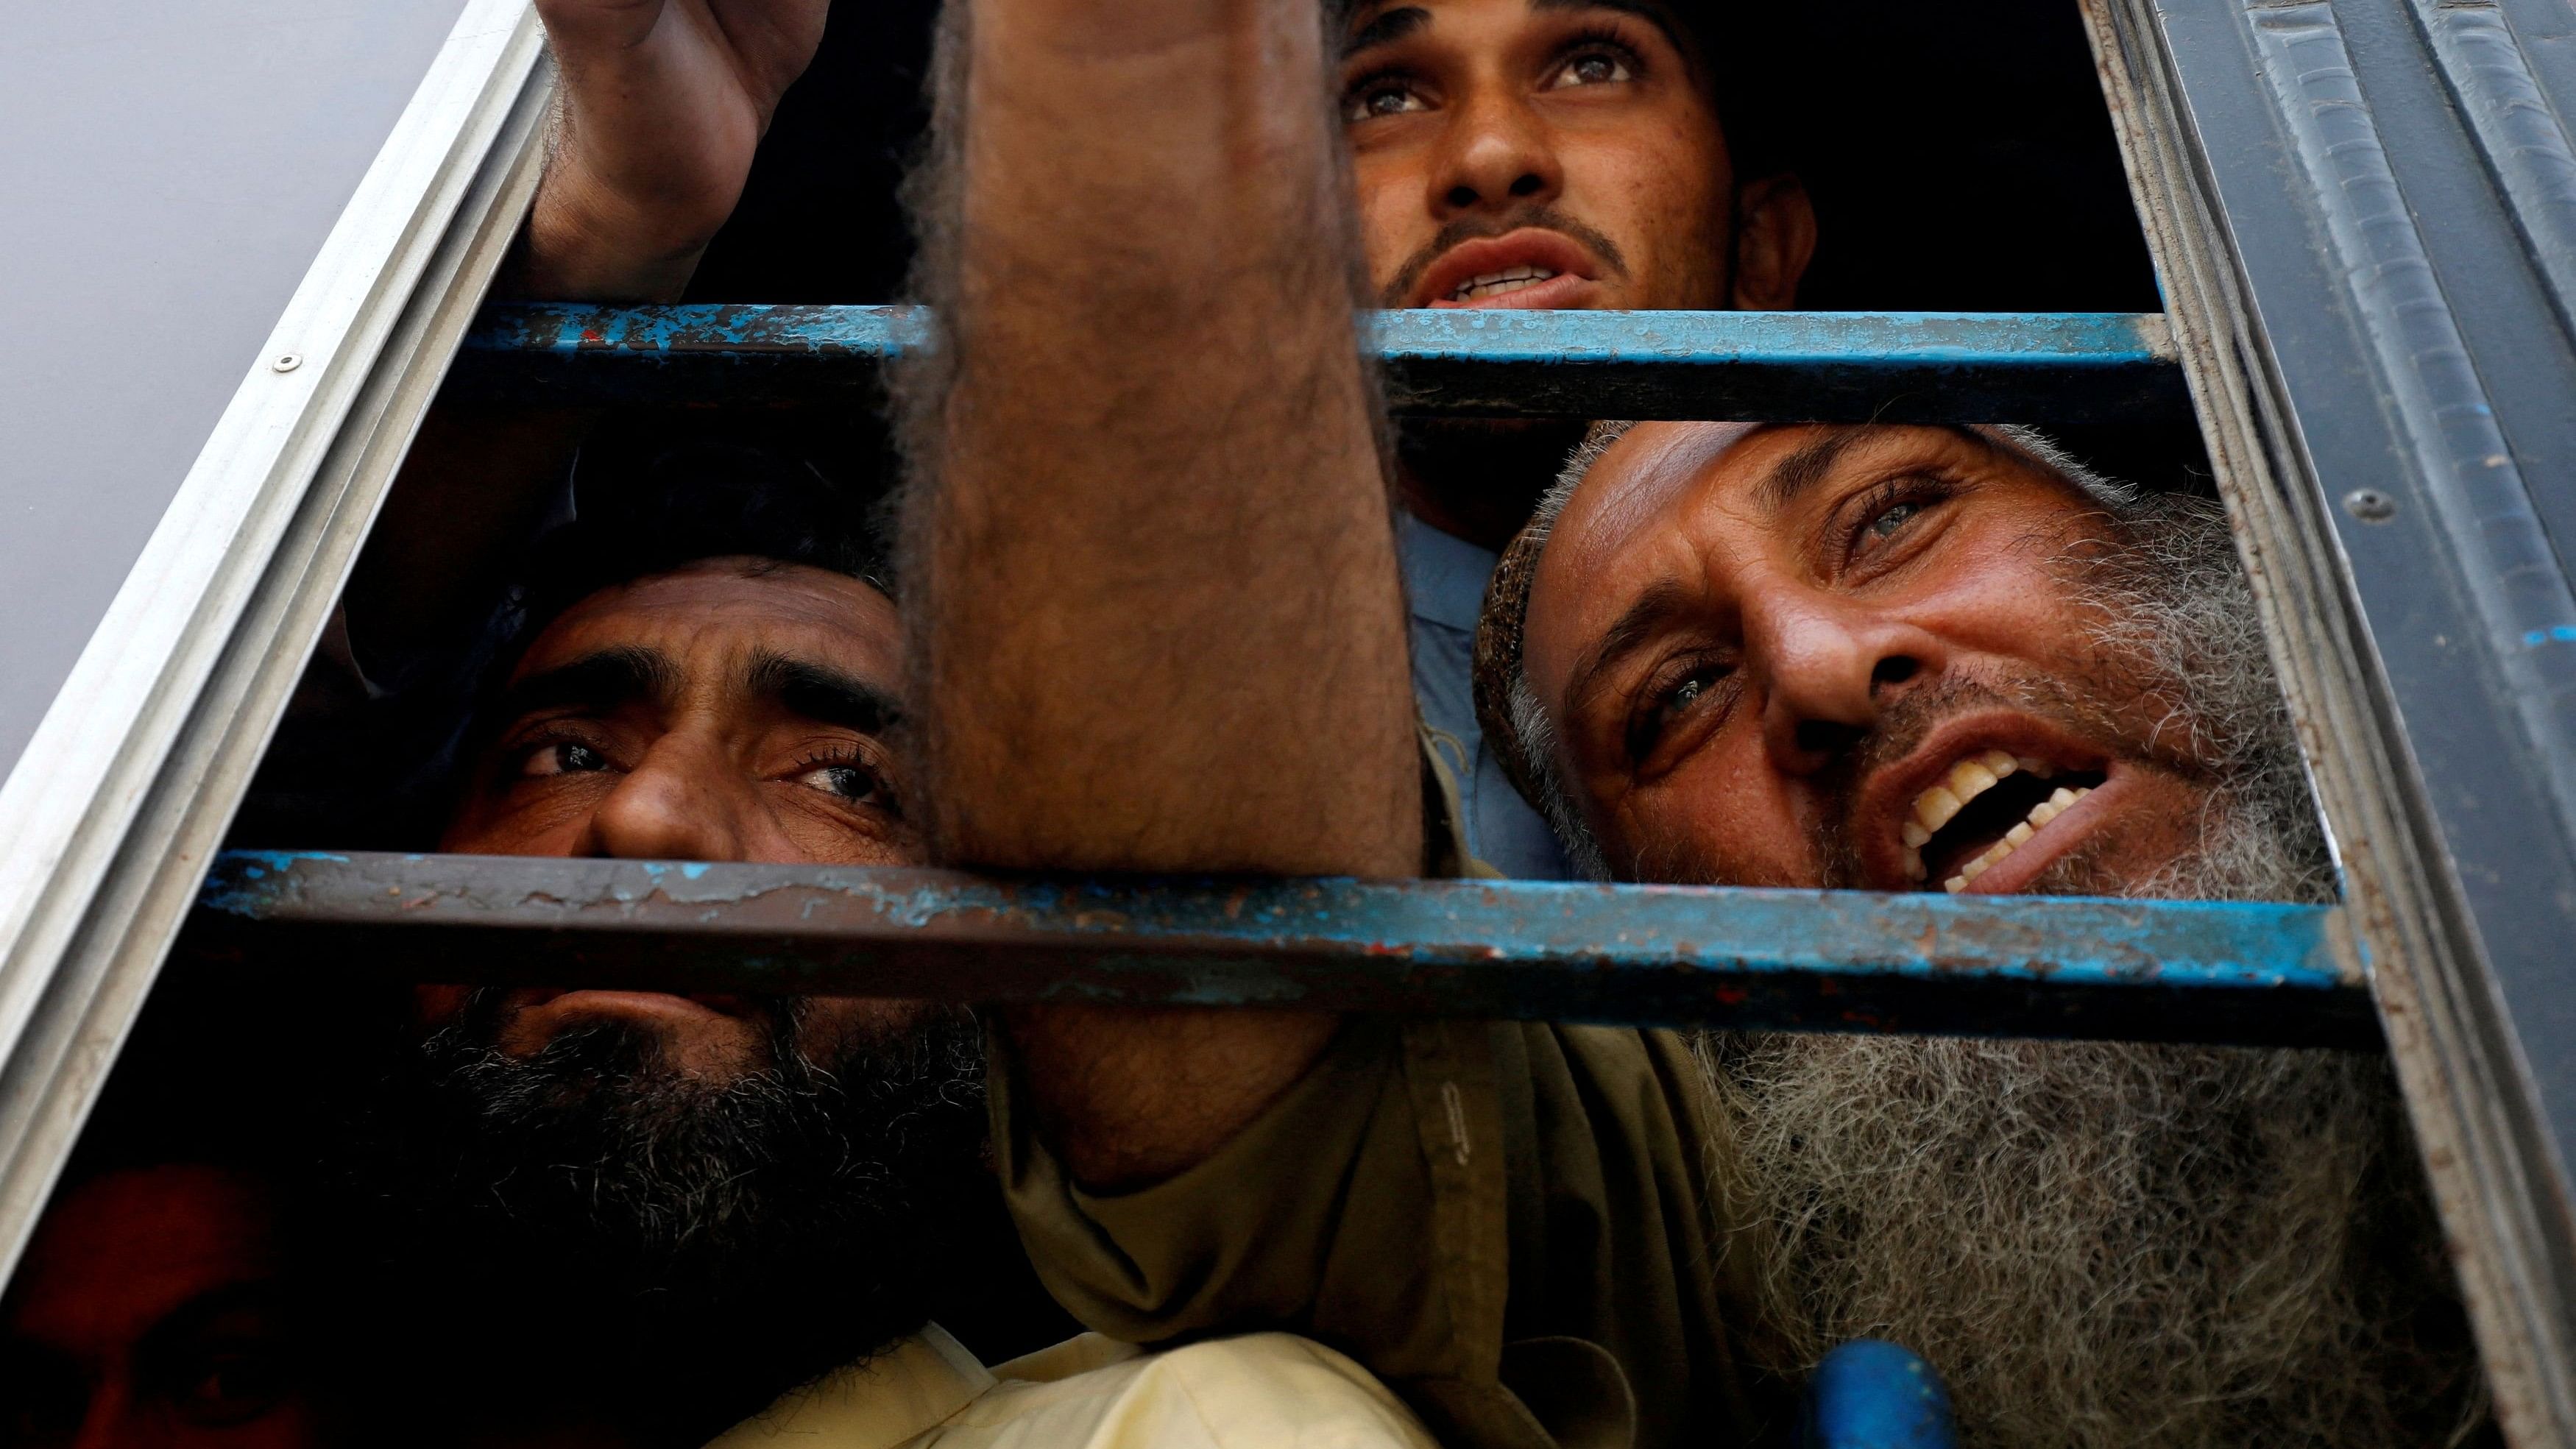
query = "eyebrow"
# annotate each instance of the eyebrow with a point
(1386, 28)
(1654, 14)
(1643, 621)
(1805, 468)
(1391, 25)
(820, 692)
(200, 1313)
(598, 681)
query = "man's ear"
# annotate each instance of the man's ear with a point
(1775, 237)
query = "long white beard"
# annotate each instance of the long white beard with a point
(2119, 1244)
(2102, 1243)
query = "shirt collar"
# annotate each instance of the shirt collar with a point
(1444, 577)
(875, 1404)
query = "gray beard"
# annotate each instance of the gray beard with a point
(2109, 1243)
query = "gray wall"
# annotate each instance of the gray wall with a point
(168, 168)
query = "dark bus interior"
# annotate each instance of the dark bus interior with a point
(1960, 158)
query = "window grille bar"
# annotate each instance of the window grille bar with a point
(2247, 973)
(2075, 367)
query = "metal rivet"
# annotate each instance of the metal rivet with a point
(2370, 505)
(287, 361)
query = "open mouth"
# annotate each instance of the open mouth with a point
(1500, 284)
(1527, 267)
(1988, 806)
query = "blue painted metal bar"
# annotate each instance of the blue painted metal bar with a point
(1796, 960)
(1919, 367)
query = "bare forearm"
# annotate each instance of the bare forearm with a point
(1162, 620)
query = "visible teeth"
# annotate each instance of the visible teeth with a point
(1510, 279)
(2036, 767)
(1914, 834)
(1969, 779)
(1995, 854)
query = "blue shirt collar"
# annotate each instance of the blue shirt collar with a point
(1444, 577)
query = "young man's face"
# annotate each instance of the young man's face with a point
(728, 710)
(1534, 153)
(151, 1309)
(1854, 656)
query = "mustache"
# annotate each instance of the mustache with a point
(1473, 228)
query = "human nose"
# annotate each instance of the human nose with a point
(685, 800)
(1828, 666)
(1497, 154)
(110, 1423)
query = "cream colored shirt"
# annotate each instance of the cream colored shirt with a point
(1253, 1392)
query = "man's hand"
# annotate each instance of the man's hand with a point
(662, 104)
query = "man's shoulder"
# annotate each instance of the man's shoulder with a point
(1244, 1392)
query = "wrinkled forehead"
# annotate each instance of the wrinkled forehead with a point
(719, 610)
(1641, 481)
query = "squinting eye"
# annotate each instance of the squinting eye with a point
(1886, 524)
(565, 758)
(1593, 68)
(854, 783)
(1381, 98)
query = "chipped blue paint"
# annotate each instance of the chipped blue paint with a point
(1828, 960)
(249, 867)
(2052, 341)
(1899, 366)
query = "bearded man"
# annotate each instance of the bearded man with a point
(1925, 658)
(634, 1218)
(1599, 155)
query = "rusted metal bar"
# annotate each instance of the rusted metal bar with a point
(1666, 955)
(1831, 366)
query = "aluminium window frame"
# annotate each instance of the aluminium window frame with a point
(2271, 297)
(2370, 390)
(124, 791)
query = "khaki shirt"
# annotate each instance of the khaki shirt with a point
(1508, 1223)
(1262, 1391)
(1512, 1224)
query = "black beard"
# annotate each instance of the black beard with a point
(597, 1236)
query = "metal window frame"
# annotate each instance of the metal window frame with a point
(2242, 972)
(2368, 389)
(123, 792)
(2326, 339)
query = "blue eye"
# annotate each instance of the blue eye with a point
(1593, 68)
(1886, 524)
(1385, 97)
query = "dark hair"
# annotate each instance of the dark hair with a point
(1749, 52)
(643, 499)
(644, 507)
(649, 505)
